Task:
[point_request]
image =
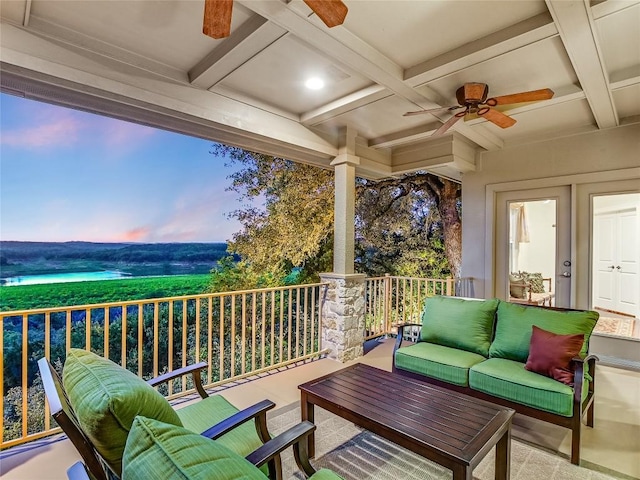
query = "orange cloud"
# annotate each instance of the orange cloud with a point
(134, 235)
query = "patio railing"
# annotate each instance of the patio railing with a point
(393, 300)
(239, 334)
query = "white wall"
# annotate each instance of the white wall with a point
(607, 155)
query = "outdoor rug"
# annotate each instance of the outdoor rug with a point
(356, 454)
(622, 327)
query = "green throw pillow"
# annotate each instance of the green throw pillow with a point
(466, 324)
(106, 398)
(159, 450)
(515, 325)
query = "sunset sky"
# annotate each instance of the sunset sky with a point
(69, 175)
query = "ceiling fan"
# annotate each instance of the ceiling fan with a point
(217, 15)
(473, 98)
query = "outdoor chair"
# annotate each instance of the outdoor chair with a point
(159, 450)
(97, 401)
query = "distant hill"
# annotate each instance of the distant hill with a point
(22, 258)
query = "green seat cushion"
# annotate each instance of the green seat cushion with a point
(205, 413)
(159, 450)
(465, 324)
(509, 380)
(515, 322)
(106, 398)
(437, 361)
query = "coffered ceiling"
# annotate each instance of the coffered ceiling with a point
(147, 61)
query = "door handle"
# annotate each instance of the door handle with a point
(566, 274)
(611, 267)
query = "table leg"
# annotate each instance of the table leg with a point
(503, 456)
(307, 413)
(462, 472)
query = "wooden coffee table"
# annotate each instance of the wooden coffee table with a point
(451, 429)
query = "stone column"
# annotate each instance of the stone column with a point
(343, 312)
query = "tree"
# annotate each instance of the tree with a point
(296, 225)
(406, 226)
(388, 207)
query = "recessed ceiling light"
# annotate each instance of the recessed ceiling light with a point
(314, 83)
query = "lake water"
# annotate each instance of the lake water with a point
(64, 278)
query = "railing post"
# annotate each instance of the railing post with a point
(449, 282)
(387, 303)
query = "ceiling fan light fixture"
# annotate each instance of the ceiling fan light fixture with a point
(314, 83)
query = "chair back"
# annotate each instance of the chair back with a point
(63, 414)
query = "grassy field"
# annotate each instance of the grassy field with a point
(83, 293)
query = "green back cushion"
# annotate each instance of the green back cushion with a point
(106, 398)
(459, 323)
(515, 324)
(159, 450)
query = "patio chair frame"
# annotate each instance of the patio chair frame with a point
(64, 415)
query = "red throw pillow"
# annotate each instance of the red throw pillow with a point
(550, 354)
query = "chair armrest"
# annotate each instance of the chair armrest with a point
(548, 280)
(578, 364)
(400, 328)
(296, 436)
(194, 370)
(257, 411)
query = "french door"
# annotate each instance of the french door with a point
(533, 235)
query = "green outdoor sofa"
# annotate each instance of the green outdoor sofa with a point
(524, 357)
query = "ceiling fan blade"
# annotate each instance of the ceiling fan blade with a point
(217, 18)
(446, 125)
(497, 117)
(532, 96)
(431, 110)
(331, 12)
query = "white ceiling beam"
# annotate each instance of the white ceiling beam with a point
(410, 135)
(524, 33)
(345, 104)
(578, 34)
(609, 7)
(625, 78)
(347, 49)
(355, 55)
(78, 42)
(244, 43)
(499, 43)
(27, 13)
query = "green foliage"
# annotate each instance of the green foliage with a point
(23, 297)
(408, 226)
(295, 225)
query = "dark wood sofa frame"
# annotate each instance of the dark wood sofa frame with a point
(579, 407)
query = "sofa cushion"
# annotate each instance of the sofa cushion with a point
(159, 450)
(514, 326)
(106, 398)
(437, 361)
(551, 354)
(509, 380)
(466, 324)
(201, 415)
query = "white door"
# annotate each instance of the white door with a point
(616, 285)
(549, 216)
